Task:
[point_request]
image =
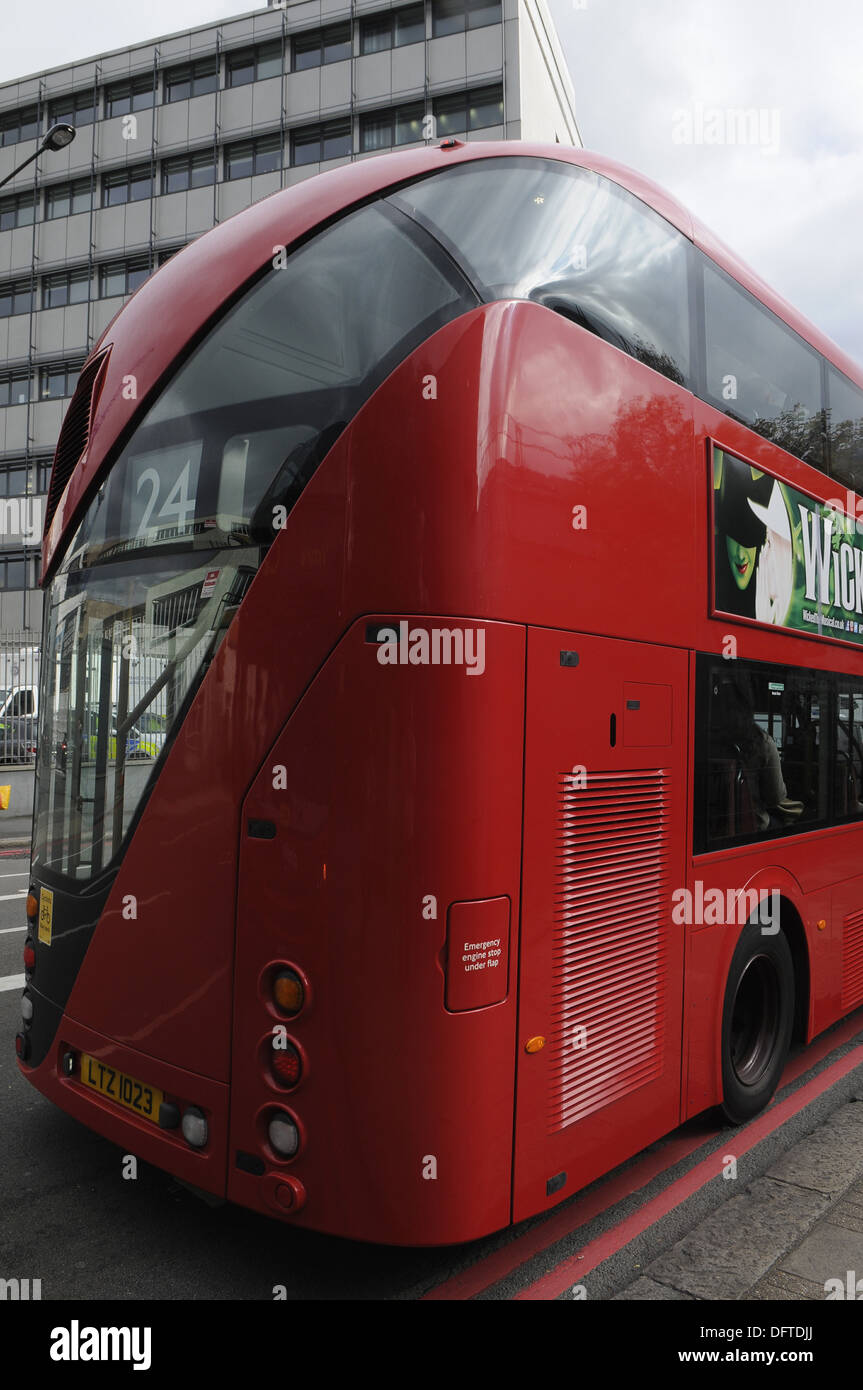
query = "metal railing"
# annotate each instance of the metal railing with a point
(19, 697)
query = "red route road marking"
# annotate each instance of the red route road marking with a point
(564, 1275)
(500, 1263)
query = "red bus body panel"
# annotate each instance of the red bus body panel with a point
(411, 793)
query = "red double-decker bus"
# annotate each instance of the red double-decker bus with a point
(450, 769)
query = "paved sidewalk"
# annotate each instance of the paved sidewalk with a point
(785, 1236)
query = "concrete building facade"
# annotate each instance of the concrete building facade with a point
(177, 134)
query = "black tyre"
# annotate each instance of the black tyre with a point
(757, 1019)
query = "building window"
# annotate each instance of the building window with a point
(15, 388)
(393, 30)
(454, 16)
(18, 478)
(192, 79)
(15, 298)
(66, 287)
(380, 130)
(466, 111)
(322, 46)
(254, 64)
(127, 186)
(58, 380)
(17, 211)
(189, 171)
(313, 144)
(122, 277)
(135, 94)
(165, 256)
(65, 199)
(16, 126)
(13, 568)
(259, 156)
(78, 108)
(13, 480)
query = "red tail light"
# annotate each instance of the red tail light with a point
(29, 955)
(286, 1064)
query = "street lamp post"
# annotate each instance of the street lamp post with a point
(58, 137)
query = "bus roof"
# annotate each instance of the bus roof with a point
(196, 283)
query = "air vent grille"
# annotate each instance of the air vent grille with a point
(610, 940)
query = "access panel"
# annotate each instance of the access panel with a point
(601, 961)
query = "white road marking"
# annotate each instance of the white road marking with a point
(22, 874)
(8, 897)
(4, 931)
(11, 982)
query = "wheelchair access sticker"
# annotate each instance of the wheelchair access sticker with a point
(46, 915)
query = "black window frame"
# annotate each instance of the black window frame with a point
(463, 100)
(199, 159)
(7, 383)
(321, 132)
(141, 85)
(393, 115)
(69, 371)
(458, 16)
(318, 40)
(196, 74)
(835, 684)
(126, 177)
(260, 145)
(15, 290)
(11, 206)
(80, 187)
(57, 287)
(128, 267)
(76, 108)
(250, 59)
(19, 125)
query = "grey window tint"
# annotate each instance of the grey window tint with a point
(759, 371)
(764, 763)
(575, 242)
(448, 17)
(376, 34)
(845, 426)
(269, 61)
(410, 25)
(318, 325)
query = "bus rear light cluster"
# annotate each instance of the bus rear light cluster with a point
(289, 993)
(283, 1134)
(32, 906)
(26, 1007)
(195, 1128)
(22, 1046)
(286, 1065)
(29, 954)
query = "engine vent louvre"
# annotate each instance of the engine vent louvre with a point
(74, 435)
(852, 961)
(610, 941)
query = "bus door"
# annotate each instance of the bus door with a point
(600, 998)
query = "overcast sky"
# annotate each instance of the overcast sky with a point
(790, 202)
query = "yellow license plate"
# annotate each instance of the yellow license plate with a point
(125, 1090)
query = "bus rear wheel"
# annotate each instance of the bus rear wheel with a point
(757, 1019)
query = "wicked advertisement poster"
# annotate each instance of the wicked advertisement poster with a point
(781, 558)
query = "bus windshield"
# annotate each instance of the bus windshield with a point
(175, 533)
